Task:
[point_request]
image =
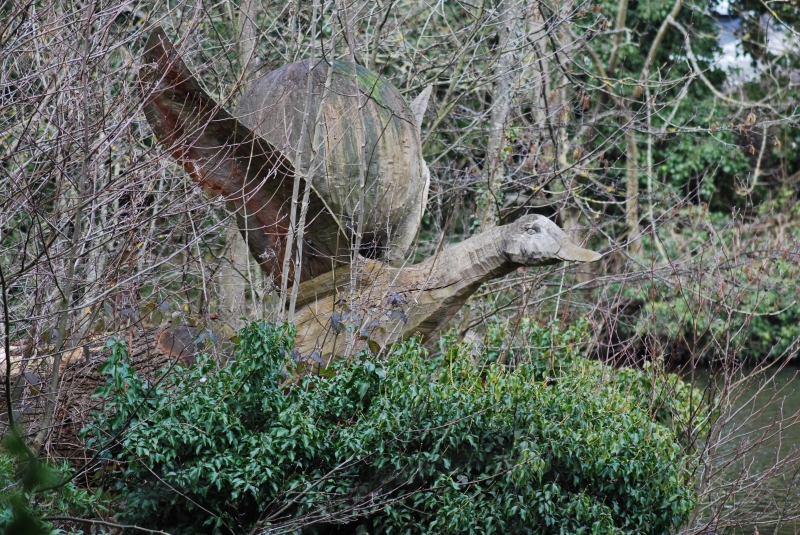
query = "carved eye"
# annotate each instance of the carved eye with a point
(533, 229)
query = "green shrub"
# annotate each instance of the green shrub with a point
(20, 475)
(416, 444)
(739, 297)
(555, 350)
(31, 489)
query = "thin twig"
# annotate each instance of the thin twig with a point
(105, 523)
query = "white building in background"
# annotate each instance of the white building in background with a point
(739, 66)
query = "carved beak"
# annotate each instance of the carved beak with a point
(572, 253)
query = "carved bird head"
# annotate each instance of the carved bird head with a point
(537, 241)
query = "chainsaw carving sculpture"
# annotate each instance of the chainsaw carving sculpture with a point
(363, 156)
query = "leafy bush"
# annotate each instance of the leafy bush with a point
(740, 297)
(20, 474)
(31, 488)
(416, 444)
(555, 350)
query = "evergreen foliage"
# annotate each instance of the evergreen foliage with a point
(31, 487)
(751, 306)
(417, 444)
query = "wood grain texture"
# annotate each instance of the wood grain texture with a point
(394, 303)
(224, 156)
(396, 179)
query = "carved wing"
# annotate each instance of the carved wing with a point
(224, 156)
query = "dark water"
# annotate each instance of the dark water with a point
(755, 457)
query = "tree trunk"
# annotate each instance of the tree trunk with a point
(508, 18)
(632, 187)
(235, 274)
(232, 280)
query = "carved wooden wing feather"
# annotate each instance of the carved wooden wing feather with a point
(226, 157)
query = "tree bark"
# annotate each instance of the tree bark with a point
(501, 106)
(235, 276)
(622, 13)
(632, 186)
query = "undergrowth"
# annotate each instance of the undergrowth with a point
(540, 441)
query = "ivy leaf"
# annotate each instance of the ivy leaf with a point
(396, 299)
(336, 322)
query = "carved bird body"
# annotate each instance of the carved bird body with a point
(252, 161)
